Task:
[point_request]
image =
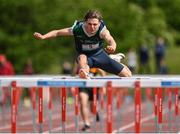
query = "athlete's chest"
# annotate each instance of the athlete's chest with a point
(86, 39)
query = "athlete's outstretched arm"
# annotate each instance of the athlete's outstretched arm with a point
(105, 34)
(54, 33)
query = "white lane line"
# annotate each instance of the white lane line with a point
(133, 123)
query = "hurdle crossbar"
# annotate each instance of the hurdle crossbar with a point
(60, 81)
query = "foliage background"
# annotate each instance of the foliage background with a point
(131, 22)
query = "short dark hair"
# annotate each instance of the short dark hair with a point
(91, 14)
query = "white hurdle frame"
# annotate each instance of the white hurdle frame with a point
(68, 81)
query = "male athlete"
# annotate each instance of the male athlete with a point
(89, 35)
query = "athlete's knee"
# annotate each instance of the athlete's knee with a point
(125, 72)
(82, 57)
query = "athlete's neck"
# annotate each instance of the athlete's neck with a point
(89, 32)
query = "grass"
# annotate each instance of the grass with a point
(173, 60)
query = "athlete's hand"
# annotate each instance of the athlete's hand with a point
(38, 36)
(110, 49)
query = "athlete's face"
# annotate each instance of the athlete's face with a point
(92, 25)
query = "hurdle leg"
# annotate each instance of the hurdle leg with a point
(76, 100)
(109, 107)
(137, 107)
(13, 107)
(63, 109)
(40, 109)
(160, 105)
(176, 109)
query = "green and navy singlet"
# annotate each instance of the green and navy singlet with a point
(85, 43)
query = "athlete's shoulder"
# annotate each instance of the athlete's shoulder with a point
(77, 26)
(102, 28)
(102, 24)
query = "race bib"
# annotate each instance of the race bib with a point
(88, 47)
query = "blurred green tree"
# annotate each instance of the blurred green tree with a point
(131, 22)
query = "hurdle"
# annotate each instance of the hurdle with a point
(136, 82)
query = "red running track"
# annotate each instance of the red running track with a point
(123, 119)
